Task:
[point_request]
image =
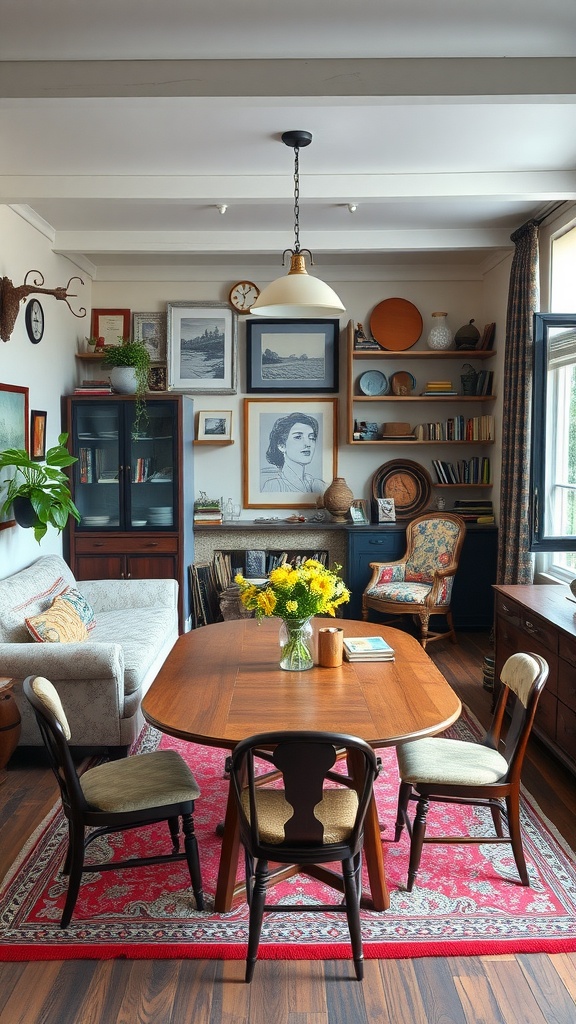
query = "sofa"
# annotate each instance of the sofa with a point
(102, 678)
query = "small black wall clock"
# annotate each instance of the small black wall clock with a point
(34, 317)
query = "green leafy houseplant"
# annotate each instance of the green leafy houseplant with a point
(42, 484)
(136, 355)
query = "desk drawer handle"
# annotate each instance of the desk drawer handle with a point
(506, 609)
(152, 544)
(530, 627)
(379, 542)
(98, 544)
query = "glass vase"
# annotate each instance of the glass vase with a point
(296, 643)
(440, 336)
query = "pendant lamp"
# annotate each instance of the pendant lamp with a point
(297, 294)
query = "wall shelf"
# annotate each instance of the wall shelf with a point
(221, 443)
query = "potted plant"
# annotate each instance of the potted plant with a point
(38, 491)
(130, 365)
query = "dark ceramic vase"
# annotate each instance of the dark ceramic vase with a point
(24, 513)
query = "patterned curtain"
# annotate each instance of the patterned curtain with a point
(515, 562)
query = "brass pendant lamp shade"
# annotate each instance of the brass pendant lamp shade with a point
(297, 293)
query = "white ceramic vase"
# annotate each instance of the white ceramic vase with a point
(123, 380)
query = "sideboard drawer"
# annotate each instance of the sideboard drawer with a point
(512, 640)
(567, 685)
(567, 649)
(127, 545)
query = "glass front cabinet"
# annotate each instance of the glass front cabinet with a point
(133, 488)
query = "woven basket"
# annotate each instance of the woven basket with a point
(469, 379)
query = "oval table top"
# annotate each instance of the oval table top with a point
(222, 682)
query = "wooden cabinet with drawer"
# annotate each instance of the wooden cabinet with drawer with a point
(542, 618)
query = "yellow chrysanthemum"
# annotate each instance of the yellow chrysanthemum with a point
(291, 606)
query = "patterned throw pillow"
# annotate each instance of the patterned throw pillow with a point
(59, 624)
(80, 605)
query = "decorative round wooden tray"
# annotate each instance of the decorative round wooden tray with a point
(396, 324)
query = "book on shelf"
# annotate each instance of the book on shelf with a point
(367, 648)
(437, 393)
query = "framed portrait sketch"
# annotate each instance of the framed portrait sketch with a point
(215, 425)
(294, 356)
(202, 340)
(111, 324)
(150, 329)
(13, 434)
(37, 435)
(290, 451)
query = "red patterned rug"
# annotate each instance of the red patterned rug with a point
(468, 900)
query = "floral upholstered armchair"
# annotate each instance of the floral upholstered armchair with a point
(420, 583)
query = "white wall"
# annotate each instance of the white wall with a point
(218, 471)
(48, 369)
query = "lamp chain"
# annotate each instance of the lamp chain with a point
(296, 201)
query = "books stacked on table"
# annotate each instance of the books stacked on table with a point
(439, 387)
(208, 512)
(367, 648)
(94, 387)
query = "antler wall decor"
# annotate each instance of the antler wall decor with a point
(11, 297)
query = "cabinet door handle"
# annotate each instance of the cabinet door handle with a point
(530, 626)
(98, 543)
(379, 542)
(152, 544)
(128, 575)
(506, 609)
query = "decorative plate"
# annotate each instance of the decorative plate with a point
(408, 483)
(373, 383)
(402, 383)
(396, 324)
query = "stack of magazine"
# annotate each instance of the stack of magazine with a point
(367, 648)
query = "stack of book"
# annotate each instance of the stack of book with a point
(481, 512)
(439, 387)
(94, 387)
(466, 471)
(367, 648)
(208, 512)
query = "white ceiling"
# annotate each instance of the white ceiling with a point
(123, 126)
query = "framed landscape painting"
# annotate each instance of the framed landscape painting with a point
(202, 347)
(292, 356)
(13, 434)
(290, 451)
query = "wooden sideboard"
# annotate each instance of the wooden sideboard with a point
(542, 618)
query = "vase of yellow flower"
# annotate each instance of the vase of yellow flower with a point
(295, 595)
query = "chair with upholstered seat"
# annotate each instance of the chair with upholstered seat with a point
(115, 796)
(420, 583)
(483, 774)
(313, 817)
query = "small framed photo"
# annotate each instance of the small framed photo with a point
(292, 356)
(157, 379)
(37, 435)
(290, 451)
(359, 512)
(215, 425)
(150, 329)
(111, 324)
(386, 510)
(202, 342)
(14, 433)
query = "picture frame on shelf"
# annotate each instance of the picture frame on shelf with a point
(37, 435)
(386, 510)
(214, 425)
(111, 324)
(202, 347)
(150, 329)
(292, 356)
(14, 424)
(290, 451)
(359, 512)
(157, 378)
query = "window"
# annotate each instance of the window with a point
(554, 419)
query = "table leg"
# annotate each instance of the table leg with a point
(226, 881)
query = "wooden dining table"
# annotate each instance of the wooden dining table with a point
(222, 682)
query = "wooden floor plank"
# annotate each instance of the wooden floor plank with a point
(9, 978)
(555, 1002)
(306, 992)
(231, 998)
(149, 992)
(513, 994)
(29, 996)
(194, 992)
(401, 992)
(344, 995)
(565, 966)
(438, 991)
(269, 991)
(103, 996)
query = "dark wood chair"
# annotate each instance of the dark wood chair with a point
(420, 583)
(114, 797)
(314, 817)
(483, 774)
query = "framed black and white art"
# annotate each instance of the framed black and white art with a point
(202, 347)
(292, 356)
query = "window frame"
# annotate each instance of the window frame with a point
(542, 401)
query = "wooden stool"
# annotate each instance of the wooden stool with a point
(9, 725)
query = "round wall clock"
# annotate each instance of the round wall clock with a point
(243, 295)
(408, 483)
(34, 317)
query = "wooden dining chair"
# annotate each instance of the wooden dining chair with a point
(311, 817)
(483, 774)
(420, 583)
(114, 797)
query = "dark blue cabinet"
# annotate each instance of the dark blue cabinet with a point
(472, 599)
